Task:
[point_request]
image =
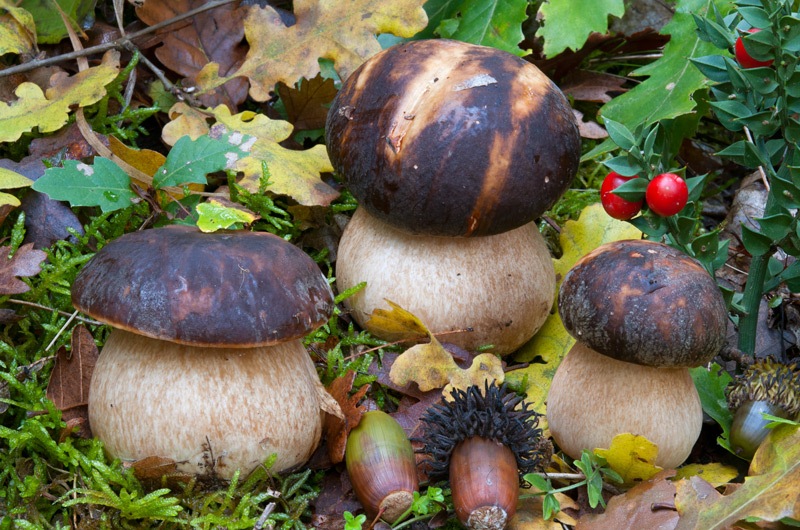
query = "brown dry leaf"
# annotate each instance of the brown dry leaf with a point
(25, 263)
(337, 429)
(769, 493)
(343, 31)
(307, 102)
(646, 505)
(68, 387)
(49, 110)
(215, 35)
(593, 86)
(153, 467)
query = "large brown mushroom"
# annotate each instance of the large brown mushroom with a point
(642, 313)
(452, 150)
(205, 365)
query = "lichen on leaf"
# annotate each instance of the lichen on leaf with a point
(344, 32)
(291, 172)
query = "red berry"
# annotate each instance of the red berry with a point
(744, 58)
(614, 205)
(667, 194)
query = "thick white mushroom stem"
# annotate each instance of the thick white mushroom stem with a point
(211, 410)
(501, 286)
(593, 398)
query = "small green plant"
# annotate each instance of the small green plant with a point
(761, 103)
(594, 469)
(353, 522)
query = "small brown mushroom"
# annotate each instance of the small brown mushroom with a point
(205, 365)
(642, 312)
(441, 142)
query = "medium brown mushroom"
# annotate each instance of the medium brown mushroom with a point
(441, 142)
(205, 365)
(642, 313)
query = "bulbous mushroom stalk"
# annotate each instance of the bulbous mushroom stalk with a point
(483, 442)
(766, 386)
(206, 366)
(642, 313)
(446, 141)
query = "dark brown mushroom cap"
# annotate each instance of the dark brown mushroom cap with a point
(446, 138)
(644, 302)
(229, 288)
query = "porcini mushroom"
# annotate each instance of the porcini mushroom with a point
(205, 365)
(452, 150)
(642, 313)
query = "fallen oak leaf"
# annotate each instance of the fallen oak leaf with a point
(344, 32)
(68, 387)
(649, 504)
(214, 35)
(769, 493)
(430, 365)
(25, 262)
(337, 429)
(307, 102)
(49, 110)
(291, 172)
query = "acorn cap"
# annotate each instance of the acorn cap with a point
(767, 380)
(446, 138)
(227, 288)
(644, 302)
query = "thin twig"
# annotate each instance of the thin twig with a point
(761, 172)
(63, 313)
(32, 65)
(61, 331)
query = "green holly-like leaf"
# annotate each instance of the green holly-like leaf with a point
(568, 23)
(50, 28)
(711, 383)
(673, 79)
(495, 23)
(189, 161)
(102, 184)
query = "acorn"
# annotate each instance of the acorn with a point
(483, 442)
(767, 386)
(382, 466)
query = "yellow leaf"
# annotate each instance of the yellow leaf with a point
(485, 367)
(291, 172)
(50, 110)
(12, 179)
(632, 456)
(715, 473)
(8, 199)
(17, 29)
(398, 324)
(185, 121)
(552, 342)
(430, 365)
(343, 31)
(144, 160)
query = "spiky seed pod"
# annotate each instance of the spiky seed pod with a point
(766, 386)
(381, 465)
(484, 441)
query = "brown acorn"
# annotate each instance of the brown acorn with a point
(483, 443)
(766, 386)
(382, 466)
